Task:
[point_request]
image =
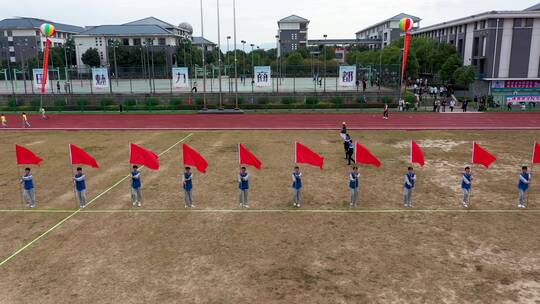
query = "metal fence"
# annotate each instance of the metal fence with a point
(318, 78)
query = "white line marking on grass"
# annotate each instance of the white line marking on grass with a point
(327, 211)
(81, 210)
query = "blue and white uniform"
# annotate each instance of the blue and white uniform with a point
(408, 186)
(29, 192)
(466, 185)
(354, 186)
(187, 180)
(136, 188)
(297, 188)
(523, 186)
(80, 187)
(243, 186)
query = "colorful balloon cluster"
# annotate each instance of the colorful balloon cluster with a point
(47, 29)
(406, 24)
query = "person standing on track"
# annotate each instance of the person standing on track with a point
(410, 181)
(386, 113)
(43, 114)
(26, 124)
(297, 187)
(136, 187)
(354, 186)
(243, 186)
(29, 192)
(187, 180)
(466, 184)
(523, 186)
(4, 120)
(80, 186)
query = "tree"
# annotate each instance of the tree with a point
(91, 58)
(465, 76)
(449, 68)
(295, 58)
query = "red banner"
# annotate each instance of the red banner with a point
(45, 66)
(406, 48)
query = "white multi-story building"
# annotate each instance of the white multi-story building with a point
(20, 38)
(386, 31)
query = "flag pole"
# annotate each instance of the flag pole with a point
(295, 153)
(530, 172)
(20, 184)
(472, 167)
(72, 175)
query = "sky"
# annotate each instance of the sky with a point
(256, 20)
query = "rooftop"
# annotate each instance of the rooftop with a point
(200, 40)
(35, 23)
(293, 19)
(127, 30)
(481, 16)
(535, 7)
(394, 18)
(152, 21)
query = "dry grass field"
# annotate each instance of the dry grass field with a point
(161, 253)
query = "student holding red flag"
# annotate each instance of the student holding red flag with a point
(140, 156)
(466, 185)
(297, 187)
(191, 158)
(80, 157)
(29, 192)
(354, 186)
(79, 179)
(245, 157)
(410, 182)
(27, 157)
(243, 186)
(187, 185)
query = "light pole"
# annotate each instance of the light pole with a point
(203, 58)
(235, 58)
(324, 76)
(252, 63)
(115, 45)
(278, 60)
(244, 63)
(228, 63)
(219, 57)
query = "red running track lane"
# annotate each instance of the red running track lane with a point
(397, 121)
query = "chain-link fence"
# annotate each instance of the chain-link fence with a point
(157, 79)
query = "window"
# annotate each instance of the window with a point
(136, 41)
(9, 33)
(162, 41)
(125, 41)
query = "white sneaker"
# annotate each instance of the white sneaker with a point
(27, 205)
(186, 206)
(139, 204)
(246, 206)
(32, 206)
(465, 206)
(192, 206)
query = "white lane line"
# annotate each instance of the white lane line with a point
(80, 210)
(327, 211)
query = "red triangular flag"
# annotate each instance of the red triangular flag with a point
(303, 155)
(193, 158)
(536, 154)
(482, 157)
(417, 155)
(247, 158)
(364, 156)
(141, 156)
(26, 157)
(80, 157)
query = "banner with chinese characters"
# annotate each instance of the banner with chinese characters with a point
(515, 85)
(263, 76)
(180, 78)
(347, 76)
(523, 98)
(100, 78)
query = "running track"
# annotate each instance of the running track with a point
(397, 121)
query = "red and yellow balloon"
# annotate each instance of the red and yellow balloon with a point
(47, 30)
(406, 24)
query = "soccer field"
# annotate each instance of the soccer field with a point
(217, 253)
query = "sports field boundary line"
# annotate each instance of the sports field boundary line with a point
(322, 211)
(472, 128)
(75, 212)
